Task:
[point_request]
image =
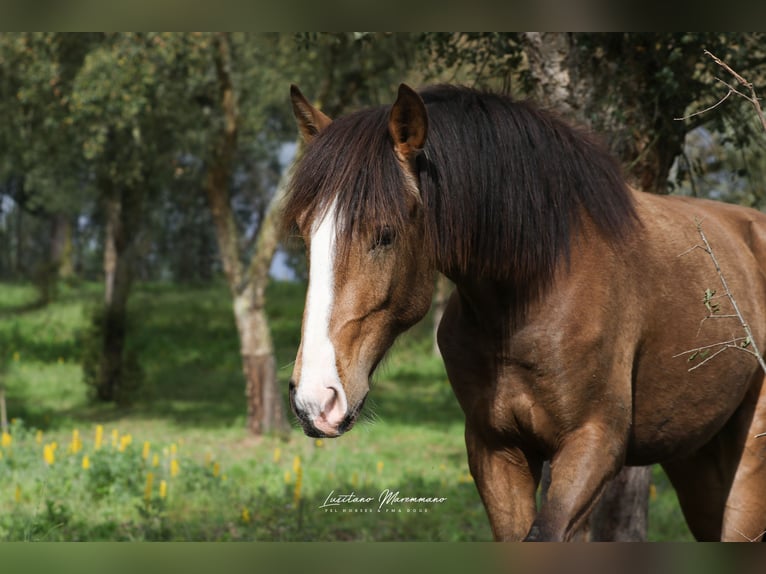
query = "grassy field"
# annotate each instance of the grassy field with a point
(178, 464)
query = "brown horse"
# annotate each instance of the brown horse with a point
(576, 302)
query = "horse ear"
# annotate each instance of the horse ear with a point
(310, 120)
(408, 123)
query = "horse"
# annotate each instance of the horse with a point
(583, 329)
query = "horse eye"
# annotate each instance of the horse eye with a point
(384, 237)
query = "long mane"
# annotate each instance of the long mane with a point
(505, 186)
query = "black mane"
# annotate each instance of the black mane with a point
(504, 185)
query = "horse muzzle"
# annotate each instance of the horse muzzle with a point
(325, 412)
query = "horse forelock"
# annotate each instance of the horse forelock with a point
(350, 165)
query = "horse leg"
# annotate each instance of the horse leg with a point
(580, 470)
(507, 482)
(702, 482)
(745, 516)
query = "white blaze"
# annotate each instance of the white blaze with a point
(319, 381)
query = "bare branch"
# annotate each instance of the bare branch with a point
(752, 98)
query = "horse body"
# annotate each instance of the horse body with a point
(578, 307)
(598, 358)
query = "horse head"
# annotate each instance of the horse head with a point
(358, 209)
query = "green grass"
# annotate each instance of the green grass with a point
(193, 398)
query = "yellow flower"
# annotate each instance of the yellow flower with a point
(296, 464)
(99, 436)
(652, 492)
(288, 477)
(6, 440)
(173, 450)
(156, 460)
(277, 454)
(148, 487)
(245, 516)
(145, 451)
(163, 489)
(48, 454)
(17, 495)
(39, 437)
(174, 468)
(85, 462)
(380, 466)
(298, 484)
(125, 441)
(76, 445)
(16, 356)
(319, 443)
(216, 469)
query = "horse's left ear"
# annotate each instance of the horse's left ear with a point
(408, 123)
(310, 120)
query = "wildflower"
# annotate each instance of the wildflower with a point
(148, 487)
(173, 450)
(163, 489)
(85, 462)
(39, 437)
(125, 441)
(298, 484)
(319, 443)
(174, 468)
(17, 495)
(380, 466)
(155, 460)
(245, 516)
(288, 477)
(296, 464)
(48, 454)
(16, 356)
(145, 451)
(216, 469)
(277, 454)
(652, 492)
(6, 440)
(99, 436)
(76, 444)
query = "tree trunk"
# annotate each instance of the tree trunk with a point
(567, 85)
(265, 408)
(123, 209)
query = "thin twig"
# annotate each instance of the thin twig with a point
(699, 113)
(752, 98)
(733, 301)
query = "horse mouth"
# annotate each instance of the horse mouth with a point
(311, 429)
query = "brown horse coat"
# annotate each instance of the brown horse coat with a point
(583, 329)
